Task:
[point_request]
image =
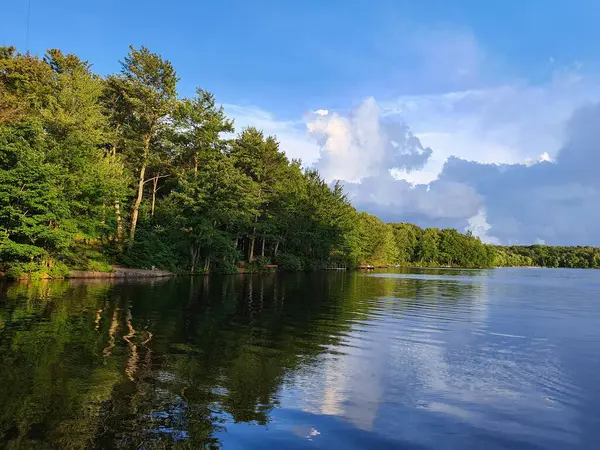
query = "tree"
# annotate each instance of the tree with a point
(147, 86)
(54, 175)
(74, 146)
(199, 125)
(377, 243)
(407, 236)
(265, 164)
(209, 206)
(427, 249)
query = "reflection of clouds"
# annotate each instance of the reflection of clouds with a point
(438, 353)
(354, 384)
(306, 432)
(349, 385)
(473, 375)
(333, 388)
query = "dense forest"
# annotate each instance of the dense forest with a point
(120, 169)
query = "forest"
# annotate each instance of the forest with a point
(120, 169)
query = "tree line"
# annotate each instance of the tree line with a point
(96, 170)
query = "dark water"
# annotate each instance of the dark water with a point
(438, 359)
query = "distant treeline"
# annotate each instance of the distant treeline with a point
(97, 170)
(409, 245)
(548, 256)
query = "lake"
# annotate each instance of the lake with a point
(414, 359)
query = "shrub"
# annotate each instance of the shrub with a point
(258, 265)
(14, 272)
(98, 266)
(289, 262)
(36, 271)
(58, 270)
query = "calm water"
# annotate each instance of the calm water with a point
(504, 358)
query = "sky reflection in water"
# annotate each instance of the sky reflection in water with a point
(421, 359)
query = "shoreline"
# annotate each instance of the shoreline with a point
(132, 273)
(120, 272)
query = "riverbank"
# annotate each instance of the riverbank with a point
(120, 272)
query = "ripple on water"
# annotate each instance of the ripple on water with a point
(452, 359)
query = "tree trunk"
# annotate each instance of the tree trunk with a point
(113, 148)
(136, 205)
(207, 263)
(119, 221)
(113, 154)
(251, 251)
(140, 193)
(195, 164)
(154, 186)
(276, 247)
(192, 259)
(262, 253)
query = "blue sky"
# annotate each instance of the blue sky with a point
(286, 56)
(407, 93)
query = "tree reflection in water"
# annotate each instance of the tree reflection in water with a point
(168, 363)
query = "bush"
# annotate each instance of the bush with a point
(98, 266)
(258, 265)
(14, 272)
(289, 262)
(226, 266)
(58, 270)
(153, 247)
(36, 271)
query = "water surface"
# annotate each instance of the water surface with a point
(450, 359)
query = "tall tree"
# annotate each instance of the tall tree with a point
(199, 125)
(266, 165)
(147, 86)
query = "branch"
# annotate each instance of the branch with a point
(156, 177)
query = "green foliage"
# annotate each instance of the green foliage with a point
(34, 271)
(288, 262)
(53, 173)
(550, 256)
(258, 265)
(377, 242)
(407, 236)
(154, 246)
(98, 266)
(84, 157)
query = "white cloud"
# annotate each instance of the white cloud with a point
(552, 201)
(479, 226)
(352, 147)
(397, 200)
(361, 144)
(544, 157)
(499, 157)
(510, 124)
(292, 135)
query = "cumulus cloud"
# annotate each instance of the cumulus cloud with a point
(551, 199)
(509, 124)
(362, 144)
(367, 151)
(437, 204)
(554, 202)
(512, 164)
(479, 226)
